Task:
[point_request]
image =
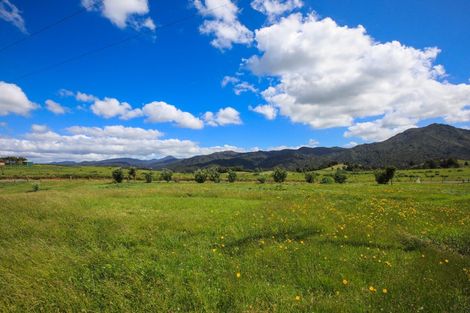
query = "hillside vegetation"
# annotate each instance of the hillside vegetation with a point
(412, 147)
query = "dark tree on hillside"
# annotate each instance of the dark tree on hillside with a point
(430, 164)
(450, 163)
(132, 173)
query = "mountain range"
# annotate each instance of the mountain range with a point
(411, 147)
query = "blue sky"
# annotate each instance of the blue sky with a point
(271, 74)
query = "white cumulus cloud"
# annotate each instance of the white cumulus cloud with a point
(330, 76)
(275, 8)
(122, 13)
(222, 22)
(14, 101)
(159, 112)
(268, 111)
(225, 116)
(116, 131)
(55, 107)
(381, 129)
(111, 107)
(95, 143)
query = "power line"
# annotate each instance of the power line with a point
(77, 57)
(110, 45)
(45, 28)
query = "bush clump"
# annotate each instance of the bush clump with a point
(166, 175)
(148, 177)
(326, 180)
(132, 173)
(232, 176)
(340, 177)
(36, 187)
(118, 175)
(385, 176)
(214, 175)
(200, 176)
(279, 175)
(310, 177)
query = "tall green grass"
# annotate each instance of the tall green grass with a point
(93, 246)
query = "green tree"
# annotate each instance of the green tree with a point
(310, 177)
(200, 176)
(132, 173)
(385, 176)
(279, 175)
(118, 175)
(148, 177)
(214, 175)
(166, 175)
(232, 176)
(340, 177)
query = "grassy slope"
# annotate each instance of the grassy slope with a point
(91, 246)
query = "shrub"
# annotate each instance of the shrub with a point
(132, 172)
(310, 177)
(340, 177)
(385, 176)
(450, 163)
(148, 177)
(326, 180)
(118, 175)
(232, 176)
(380, 177)
(279, 175)
(261, 179)
(214, 175)
(166, 175)
(36, 187)
(200, 176)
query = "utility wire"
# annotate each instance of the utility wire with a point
(110, 45)
(77, 57)
(45, 28)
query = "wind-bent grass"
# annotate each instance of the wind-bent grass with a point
(91, 246)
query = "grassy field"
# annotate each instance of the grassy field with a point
(94, 172)
(93, 246)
